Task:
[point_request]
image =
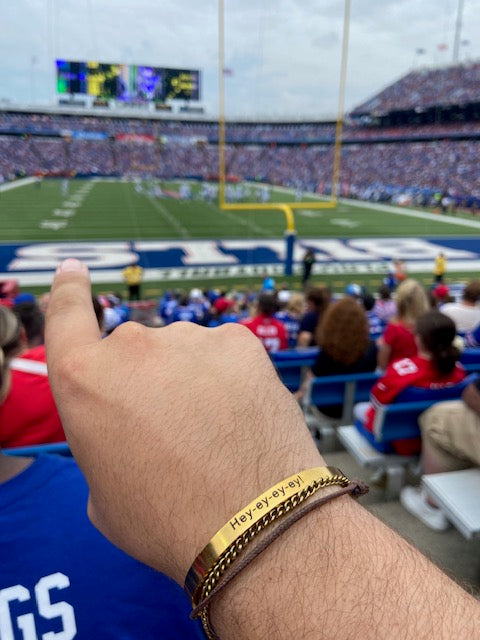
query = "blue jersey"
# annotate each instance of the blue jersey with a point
(60, 578)
(184, 313)
(292, 325)
(376, 325)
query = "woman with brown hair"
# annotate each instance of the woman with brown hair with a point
(345, 346)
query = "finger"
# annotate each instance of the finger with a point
(71, 320)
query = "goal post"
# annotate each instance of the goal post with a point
(286, 207)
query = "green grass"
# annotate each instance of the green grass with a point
(114, 211)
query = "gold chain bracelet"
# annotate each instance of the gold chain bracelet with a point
(291, 515)
(231, 553)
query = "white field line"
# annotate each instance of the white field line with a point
(183, 231)
(412, 213)
(18, 183)
(241, 220)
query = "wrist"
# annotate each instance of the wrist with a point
(271, 588)
(255, 478)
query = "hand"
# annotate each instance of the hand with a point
(175, 428)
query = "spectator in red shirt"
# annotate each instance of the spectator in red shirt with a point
(398, 340)
(435, 366)
(268, 329)
(28, 414)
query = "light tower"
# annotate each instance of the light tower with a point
(458, 31)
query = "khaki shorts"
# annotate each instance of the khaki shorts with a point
(452, 431)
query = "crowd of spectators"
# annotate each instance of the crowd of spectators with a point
(55, 124)
(401, 335)
(423, 88)
(372, 172)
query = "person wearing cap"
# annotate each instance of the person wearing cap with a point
(353, 290)
(440, 295)
(132, 276)
(200, 305)
(222, 312)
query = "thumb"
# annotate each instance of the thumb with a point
(70, 320)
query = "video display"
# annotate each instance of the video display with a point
(127, 82)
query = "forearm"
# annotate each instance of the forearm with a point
(383, 355)
(471, 397)
(304, 338)
(340, 573)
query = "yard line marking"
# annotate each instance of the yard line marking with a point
(240, 220)
(18, 183)
(183, 231)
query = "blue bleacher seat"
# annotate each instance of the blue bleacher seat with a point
(395, 421)
(60, 448)
(470, 358)
(291, 363)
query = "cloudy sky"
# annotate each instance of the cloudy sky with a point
(284, 54)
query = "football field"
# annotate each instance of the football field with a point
(113, 210)
(80, 214)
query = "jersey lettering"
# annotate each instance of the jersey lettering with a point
(405, 367)
(25, 623)
(46, 609)
(271, 344)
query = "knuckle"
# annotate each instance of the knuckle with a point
(129, 332)
(69, 368)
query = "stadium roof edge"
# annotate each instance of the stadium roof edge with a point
(132, 114)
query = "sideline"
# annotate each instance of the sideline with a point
(412, 213)
(23, 182)
(209, 272)
(402, 211)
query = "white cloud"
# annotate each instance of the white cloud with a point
(285, 53)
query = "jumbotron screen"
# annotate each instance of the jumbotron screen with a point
(127, 82)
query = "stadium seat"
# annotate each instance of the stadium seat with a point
(59, 448)
(456, 493)
(470, 358)
(291, 365)
(345, 390)
(395, 421)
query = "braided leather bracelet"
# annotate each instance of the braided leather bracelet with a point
(355, 488)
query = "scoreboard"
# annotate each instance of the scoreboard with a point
(127, 82)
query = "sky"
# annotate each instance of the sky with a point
(285, 55)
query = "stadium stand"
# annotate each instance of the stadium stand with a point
(423, 88)
(418, 160)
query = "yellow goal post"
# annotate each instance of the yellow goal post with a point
(286, 207)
